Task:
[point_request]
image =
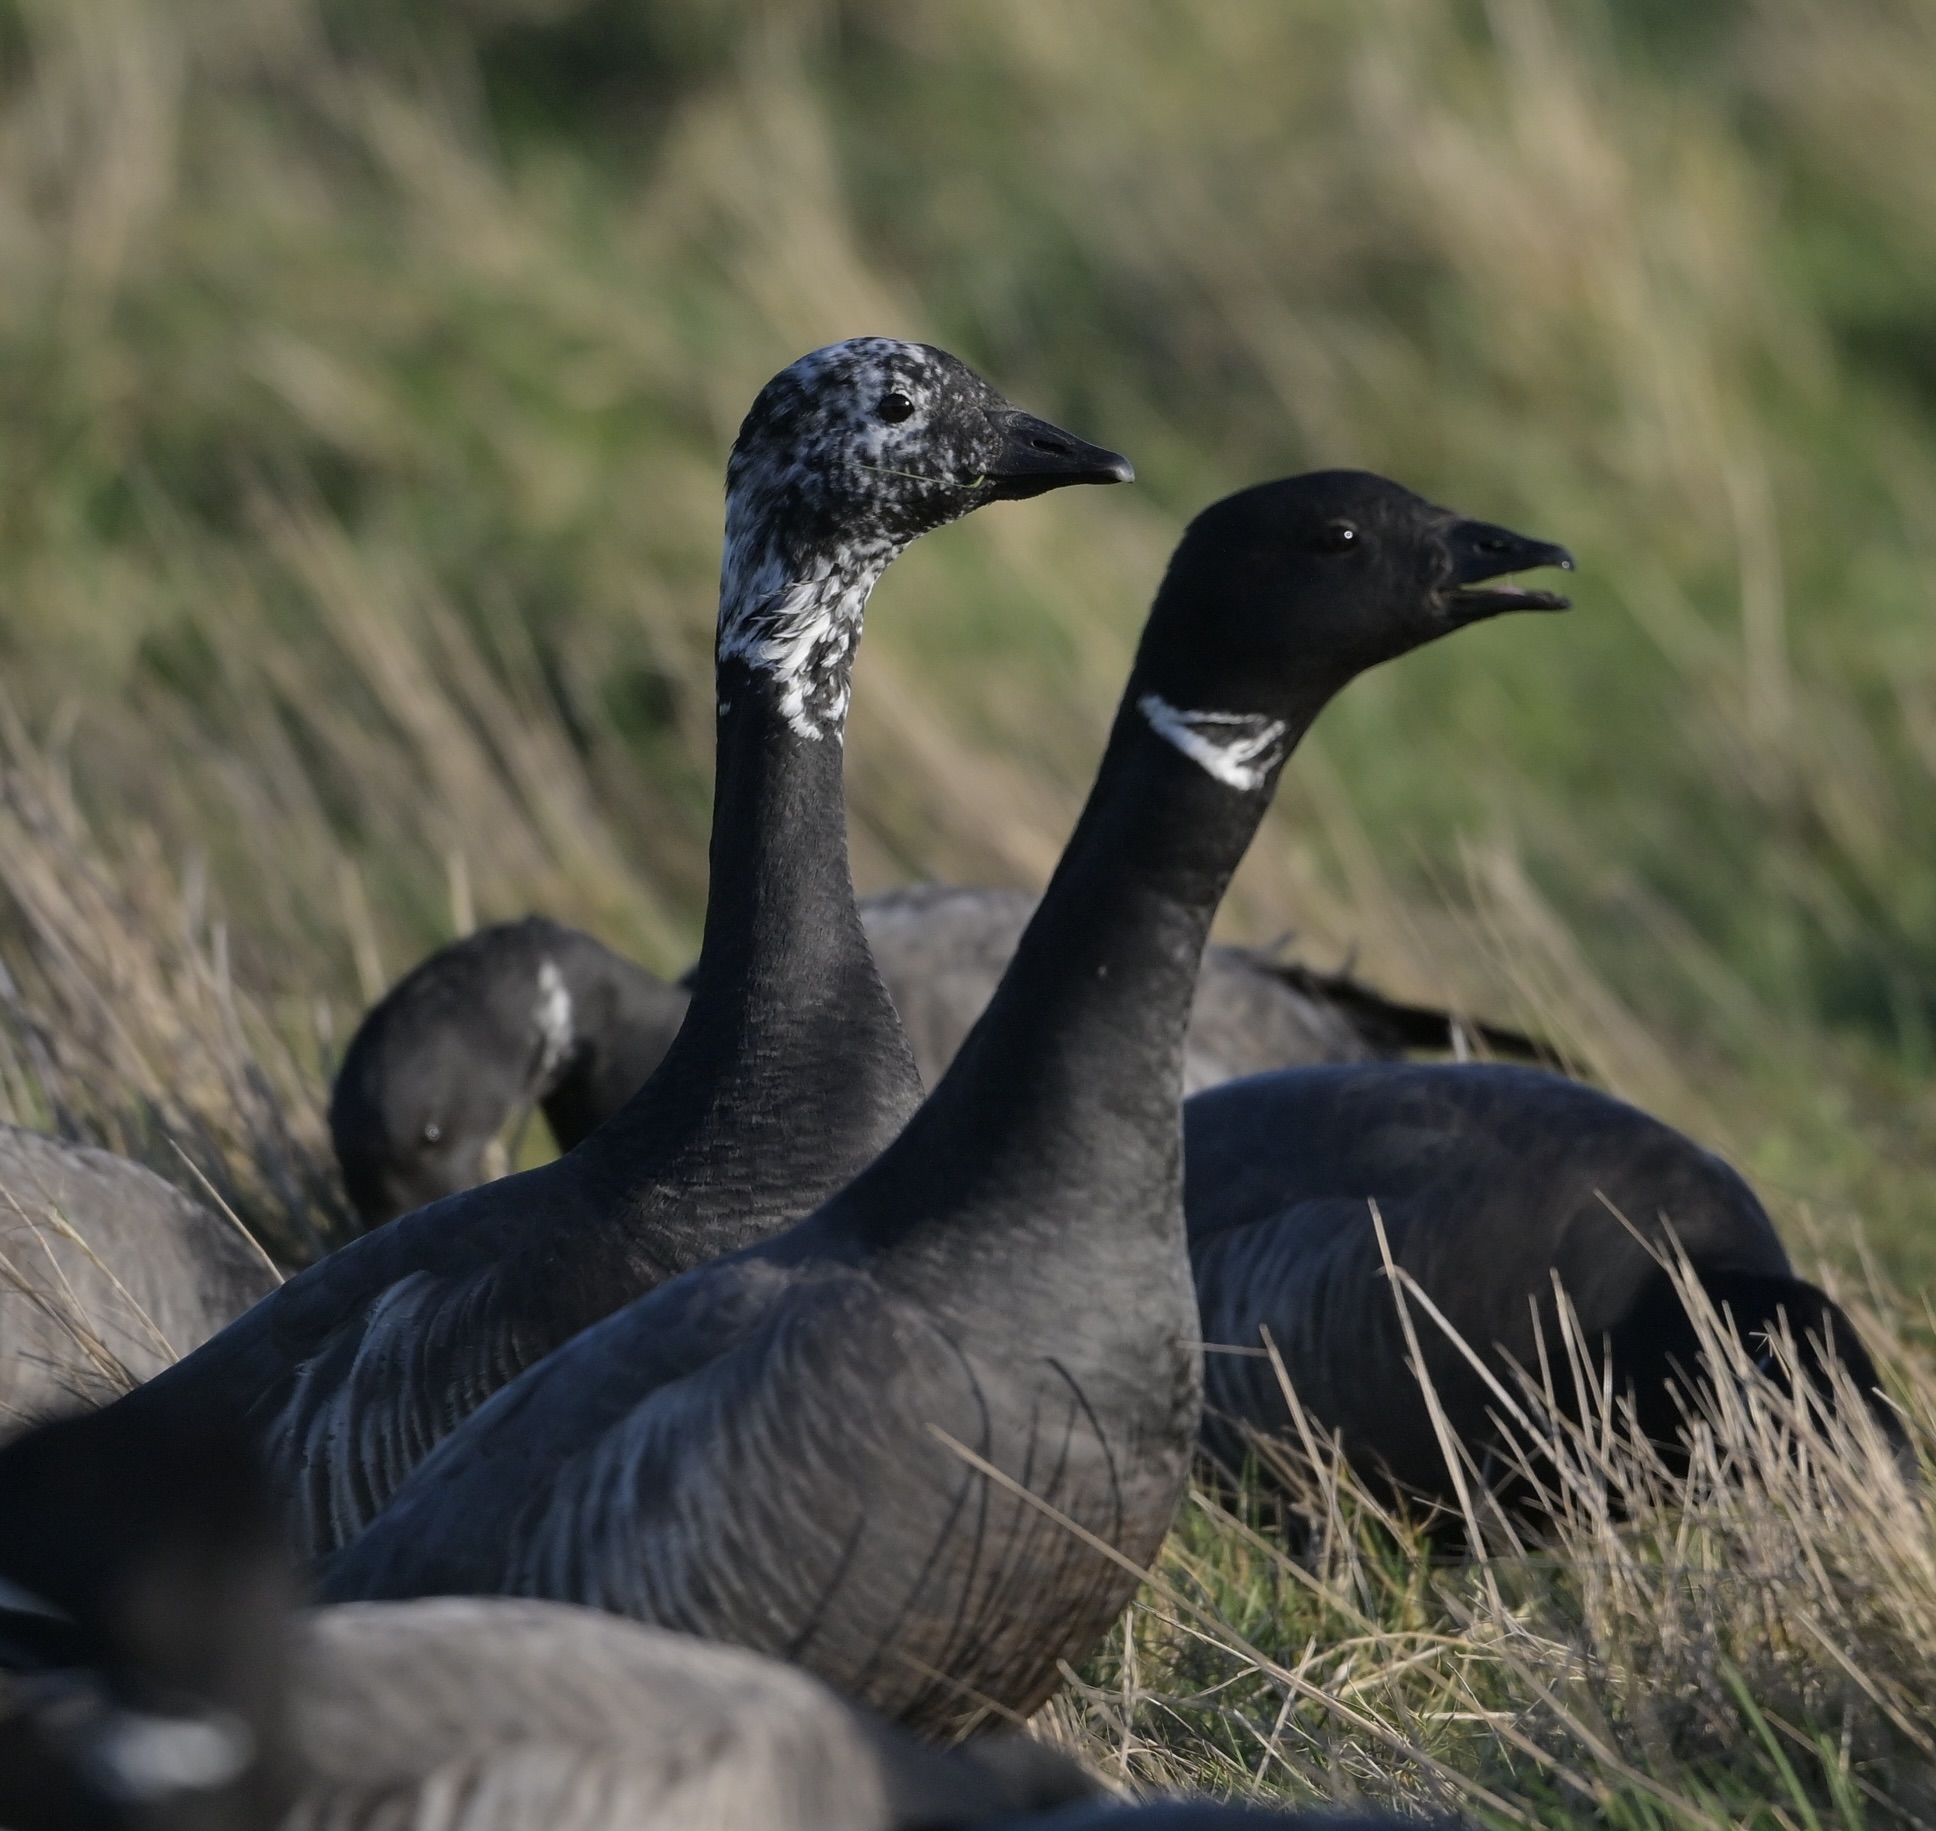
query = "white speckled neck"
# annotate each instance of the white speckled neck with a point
(800, 631)
(1240, 749)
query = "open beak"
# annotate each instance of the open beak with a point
(1482, 554)
(1035, 457)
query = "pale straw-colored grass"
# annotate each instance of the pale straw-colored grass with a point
(1749, 1640)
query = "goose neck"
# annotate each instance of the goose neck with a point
(781, 895)
(1065, 1097)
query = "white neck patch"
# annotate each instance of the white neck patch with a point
(1239, 748)
(800, 632)
(552, 1014)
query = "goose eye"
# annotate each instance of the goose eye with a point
(1339, 537)
(432, 1132)
(895, 407)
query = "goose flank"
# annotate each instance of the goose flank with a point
(1492, 1181)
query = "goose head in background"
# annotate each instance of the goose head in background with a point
(464, 1045)
(144, 1598)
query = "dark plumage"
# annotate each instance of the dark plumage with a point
(520, 1015)
(790, 1071)
(1490, 1181)
(161, 1684)
(106, 1274)
(774, 1450)
(477, 1034)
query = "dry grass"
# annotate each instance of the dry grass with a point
(1746, 1642)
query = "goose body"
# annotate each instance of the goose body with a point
(533, 1013)
(862, 1444)
(107, 1273)
(1492, 1182)
(789, 1072)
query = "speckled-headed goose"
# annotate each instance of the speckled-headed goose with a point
(533, 1013)
(790, 1071)
(1492, 1182)
(813, 1447)
(154, 1678)
(107, 1273)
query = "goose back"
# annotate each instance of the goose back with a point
(107, 1274)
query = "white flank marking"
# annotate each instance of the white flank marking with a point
(1239, 748)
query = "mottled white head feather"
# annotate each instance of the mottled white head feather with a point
(1240, 749)
(845, 458)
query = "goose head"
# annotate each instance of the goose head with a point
(144, 1593)
(844, 458)
(881, 439)
(1279, 595)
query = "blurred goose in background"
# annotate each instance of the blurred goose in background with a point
(825, 1446)
(790, 1071)
(1493, 1183)
(534, 1014)
(518, 1015)
(107, 1273)
(152, 1675)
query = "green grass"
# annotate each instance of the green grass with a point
(367, 370)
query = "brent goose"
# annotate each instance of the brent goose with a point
(516, 1016)
(1492, 1182)
(790, 1071)
(840, 1445)
(152, 1675)
(107, 1273)
(535, 1014)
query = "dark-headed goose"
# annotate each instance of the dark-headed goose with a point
(153, 1678)
(1492, 1183)
(519, 1015)
(790, 1071)
(107, 1273)
(533, 1013)
(825, 1447)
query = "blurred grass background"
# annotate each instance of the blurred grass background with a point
(367, 369)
